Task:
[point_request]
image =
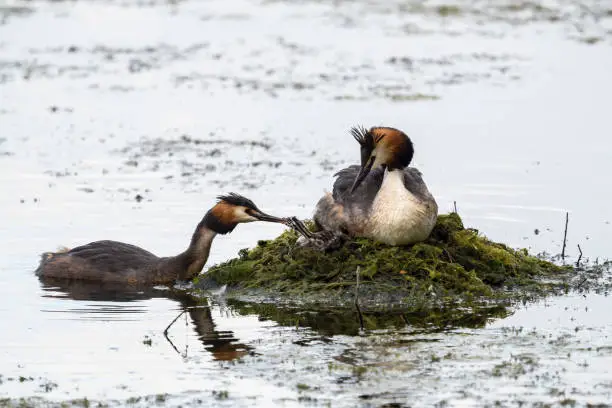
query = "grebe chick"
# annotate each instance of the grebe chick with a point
(383, 199)
(324, 240)
(112, 261)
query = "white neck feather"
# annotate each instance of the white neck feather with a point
(397, 216)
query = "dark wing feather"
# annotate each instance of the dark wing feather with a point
(413, 181)
(366, 191)
(113, 256)
(344, 181)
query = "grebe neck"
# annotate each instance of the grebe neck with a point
(192, 260)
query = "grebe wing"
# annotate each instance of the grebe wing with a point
(344, 181)
(368, 188)
(413, 181)
(113, 256)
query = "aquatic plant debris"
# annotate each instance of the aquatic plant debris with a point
(455, 264)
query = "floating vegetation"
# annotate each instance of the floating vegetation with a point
(455, 264)
(448, 10)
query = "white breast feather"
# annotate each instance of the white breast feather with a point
(397, 216)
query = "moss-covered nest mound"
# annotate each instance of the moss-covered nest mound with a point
(454, 263)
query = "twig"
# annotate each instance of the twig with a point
(455, 206)
(173, 346)
(172, 322)
(186, 324)
(450, 258)
(565, 236)
(580, 284)
(167, 328)
(357, 272)
(579, 256)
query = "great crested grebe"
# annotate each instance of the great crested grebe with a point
(112, 261)
(383, 199)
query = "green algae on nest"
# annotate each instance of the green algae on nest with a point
(454, 263)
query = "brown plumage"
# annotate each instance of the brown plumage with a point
(112, 261)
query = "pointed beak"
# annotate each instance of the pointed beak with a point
(269, 218)
(362, 174)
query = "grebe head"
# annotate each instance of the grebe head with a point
(381, 146)
(233, 209)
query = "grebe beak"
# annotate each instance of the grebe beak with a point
(269, 218)
(363, 173)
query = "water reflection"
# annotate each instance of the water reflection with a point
(346, 321)
(118, 302)
(126, 303)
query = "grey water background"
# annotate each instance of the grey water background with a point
(124, 119)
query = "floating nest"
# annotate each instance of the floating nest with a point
(454, 264)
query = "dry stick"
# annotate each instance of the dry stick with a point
(455, 206)
(357, 272)
(167, 328)
(579, 256)
(186, 336)
(580, 284)
(182, 313)
(172, 322)
(565, 236)
(450, 258)
(173, 346)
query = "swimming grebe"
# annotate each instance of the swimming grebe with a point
(112, 261)
(383, 199)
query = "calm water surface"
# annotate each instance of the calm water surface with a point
(101, 102)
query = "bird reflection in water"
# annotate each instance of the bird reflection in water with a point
(221, 344)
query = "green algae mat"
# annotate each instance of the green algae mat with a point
(454, 264)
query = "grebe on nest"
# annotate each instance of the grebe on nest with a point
(383, 199)
(112, 261)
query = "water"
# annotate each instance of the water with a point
(101, 102)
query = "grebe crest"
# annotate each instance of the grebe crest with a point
(231, 210)
(381, 146)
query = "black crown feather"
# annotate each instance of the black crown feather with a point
(362, 135)
(238, 200)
